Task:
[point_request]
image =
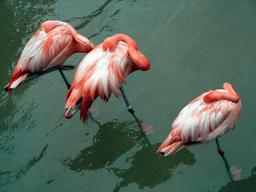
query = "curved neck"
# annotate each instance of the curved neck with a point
(51, 24)
(230, 88)
(111, 42)
(231, 95)
(138, 59)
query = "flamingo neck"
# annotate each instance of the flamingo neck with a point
(229, 88)
(111, 42)
(81, 48)
(50, 25)
(137, 58)
(231, 95)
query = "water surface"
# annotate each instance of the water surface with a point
(193, 46)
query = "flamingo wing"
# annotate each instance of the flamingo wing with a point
(100, 73)
(109, 72)
(44, 50)
(201, 122)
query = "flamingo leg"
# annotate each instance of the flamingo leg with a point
(128, 106)
(221, 152)
(41, 74)
(67, 67)
(64, 78)
(130, 109)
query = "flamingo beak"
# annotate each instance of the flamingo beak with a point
(69, 114)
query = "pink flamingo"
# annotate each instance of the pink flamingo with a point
(204, 119)
(48, 49)
(103, 71)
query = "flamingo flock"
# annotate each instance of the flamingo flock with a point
(103, 71)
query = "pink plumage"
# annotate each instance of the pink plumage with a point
(204, 119)
(103, 71)
(50, 47)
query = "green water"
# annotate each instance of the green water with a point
(193, 46)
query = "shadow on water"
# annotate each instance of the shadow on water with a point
(147, 170)
(115, 139)
(248, 184)
(111, 141)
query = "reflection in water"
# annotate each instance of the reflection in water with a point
(113, 140)
(248, 184)
(32, 163)
(87, 19)
(7, 178)
(28, 15)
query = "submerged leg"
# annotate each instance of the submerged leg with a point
(64, 78)
(131, 110)
(221, 152)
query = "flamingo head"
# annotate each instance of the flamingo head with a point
(70, 112)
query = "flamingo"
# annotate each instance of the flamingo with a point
(48, 49)
(102, 72)
(204, 119)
